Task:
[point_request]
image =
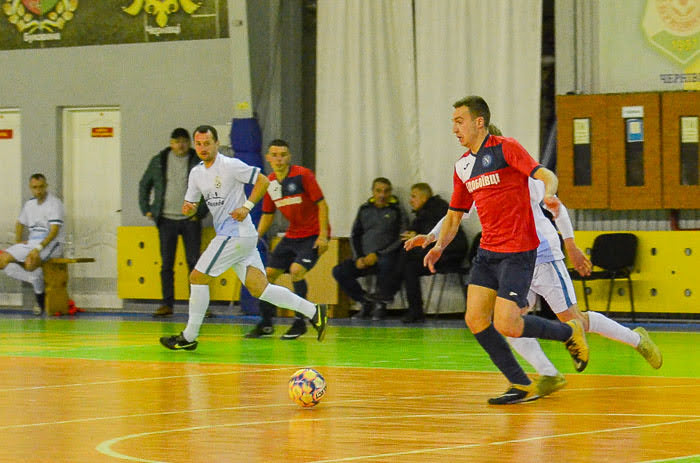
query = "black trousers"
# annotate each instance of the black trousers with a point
(168, 232)
(346, 273)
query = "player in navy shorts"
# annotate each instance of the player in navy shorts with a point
(493, 175)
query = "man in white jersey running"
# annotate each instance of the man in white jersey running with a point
(43, 217)
(551, 280)
(220, 180)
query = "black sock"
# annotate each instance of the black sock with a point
(267, 312)
(538, 327)
(300, 288)
(40, 299)
(496, 346)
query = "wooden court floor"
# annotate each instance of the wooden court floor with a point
(98, 390)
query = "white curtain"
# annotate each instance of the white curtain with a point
(365, 116)
(384, 99)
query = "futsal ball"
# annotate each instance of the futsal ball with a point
(307, 387)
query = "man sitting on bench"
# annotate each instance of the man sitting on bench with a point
(43, 216)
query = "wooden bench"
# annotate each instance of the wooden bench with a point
(56, 280)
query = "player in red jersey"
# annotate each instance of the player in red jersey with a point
(493, 174)
(295, 193)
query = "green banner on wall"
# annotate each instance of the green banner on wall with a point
(70, 23)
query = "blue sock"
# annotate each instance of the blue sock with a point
(300, 289)
(498, 349)
(538, 327)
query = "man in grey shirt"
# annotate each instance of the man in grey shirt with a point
(376, 241)
(161, 191)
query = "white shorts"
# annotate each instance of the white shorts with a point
(551, 280)
(20, 251)
(225, 252)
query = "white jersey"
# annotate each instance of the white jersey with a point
(550, 248)
(39, 218)
(222, 187)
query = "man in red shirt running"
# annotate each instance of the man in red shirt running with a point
(294, 191)
(494, 173)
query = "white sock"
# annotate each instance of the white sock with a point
(35, 277)
(282, 297)
(530, 350)
(199, 302)
(599, 323)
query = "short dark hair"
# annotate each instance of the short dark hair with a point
(477, 107)
(180, 133)
(278, 142)
(383, 180)
(207, 128)
(424, 187)
(37, 176)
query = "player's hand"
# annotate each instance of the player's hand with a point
(407, 235)
(371, 259)
(240, 214)
(321, 244)
(552, 203)
(418, 240)
(432, 257)
(33, 259)
(149, 215)
(189, 208)
(581, 263)
(360, 263)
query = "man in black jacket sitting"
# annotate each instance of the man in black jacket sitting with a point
(376, 245)
(429, 210)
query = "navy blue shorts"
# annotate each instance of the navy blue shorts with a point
(290, 250)
(508, 273)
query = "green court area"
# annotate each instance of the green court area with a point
(432, 347)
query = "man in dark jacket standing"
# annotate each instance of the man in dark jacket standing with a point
(166, 178)
(429, 210)
(376, 242)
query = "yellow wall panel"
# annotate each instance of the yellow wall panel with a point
(138, 266)
(667, 263)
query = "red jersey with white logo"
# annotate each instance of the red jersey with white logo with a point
(296, 197)
(496, 179)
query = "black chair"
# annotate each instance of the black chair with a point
(461, 272)
(615, 254)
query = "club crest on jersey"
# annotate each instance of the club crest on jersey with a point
(486, 160)
(217, 182)
(482, 181)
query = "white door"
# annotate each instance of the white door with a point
(92, 195)
(11, 192)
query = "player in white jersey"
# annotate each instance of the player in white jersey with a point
(43, 217)
(221, 180)
(551, 280)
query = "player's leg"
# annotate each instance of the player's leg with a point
(305, 258)
(515, 275)
(265, 327)
(561, 297)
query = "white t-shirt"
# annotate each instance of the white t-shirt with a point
(222, 187)
(38, 218)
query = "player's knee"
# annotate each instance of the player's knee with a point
(199, 278)
(5, 259)
(476, 322)
(506, 327)
(297, 272)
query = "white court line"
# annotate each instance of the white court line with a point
(136, 380)
(105, 447)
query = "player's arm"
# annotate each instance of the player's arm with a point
(259, 190)
(580, 262)
(53, 232)
(551, 183)
(266, 221)
(450, 225)
(322, 240)
(19, 230)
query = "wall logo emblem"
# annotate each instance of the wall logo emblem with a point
(673, 27)
(38, 19)
(161, 9)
